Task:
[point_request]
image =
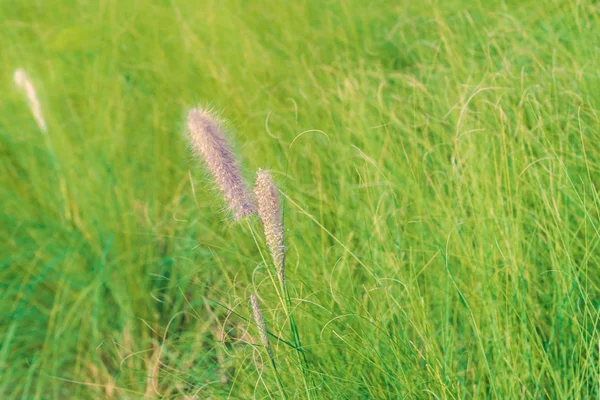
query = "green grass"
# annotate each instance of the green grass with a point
(439, 164)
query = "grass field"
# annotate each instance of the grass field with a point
(438, 163)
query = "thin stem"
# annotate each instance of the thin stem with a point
(284, 298)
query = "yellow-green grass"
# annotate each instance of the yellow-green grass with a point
(439, 164)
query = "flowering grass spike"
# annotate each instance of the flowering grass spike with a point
(260, 324)
(269, 211)
(23, 82)
(209, 142)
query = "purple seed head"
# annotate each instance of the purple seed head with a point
(209, 142)
(269, 211)
(260, 324)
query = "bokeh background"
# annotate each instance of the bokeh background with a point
(438, 163)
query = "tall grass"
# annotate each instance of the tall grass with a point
(438, 166)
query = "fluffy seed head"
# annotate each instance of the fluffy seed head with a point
(24, 83)
(260, 324)
(209, 142)
(269, 211)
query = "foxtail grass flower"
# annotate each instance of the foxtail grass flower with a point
(209, 142)
(269, 211)
(260, 324)
(24, 83)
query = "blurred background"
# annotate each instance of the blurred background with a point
(438, 163)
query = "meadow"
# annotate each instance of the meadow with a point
(438, 166)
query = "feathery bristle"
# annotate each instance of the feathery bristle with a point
(260, 324)
(23, 82)
(209, 141)
(270, 214)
